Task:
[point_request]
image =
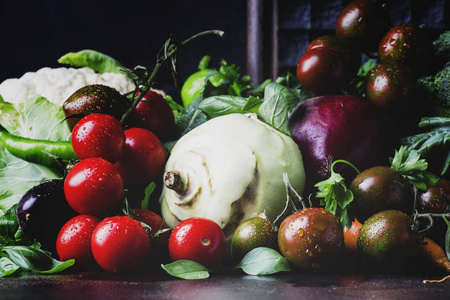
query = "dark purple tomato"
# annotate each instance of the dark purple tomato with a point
(95, 98)
(322, 71)
(352, 57)
(363, 23)
(380, 188)
(386, 242)
(253, 233)
(435, 199)
(408, 45)
(311, 239)
(389, 84)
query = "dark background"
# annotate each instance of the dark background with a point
(35, 33)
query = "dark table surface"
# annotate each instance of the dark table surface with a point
(99, 285)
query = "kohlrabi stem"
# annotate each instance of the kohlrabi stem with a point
(346, 162)
(170, 48)
(173, 180)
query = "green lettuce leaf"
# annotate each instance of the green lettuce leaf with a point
(37, 118)
(95, 60)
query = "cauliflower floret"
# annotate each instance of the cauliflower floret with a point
(57, 84)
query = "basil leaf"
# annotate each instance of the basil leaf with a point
(278, 103)
(263, 261)
(7, 267)
(186, 269)
(29, 258)
(224, 105)
(95, 60)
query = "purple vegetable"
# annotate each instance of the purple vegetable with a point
(328, 128)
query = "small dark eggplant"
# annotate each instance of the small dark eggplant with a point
(42, 211)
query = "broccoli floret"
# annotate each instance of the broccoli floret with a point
(438, 89)
(442, 46)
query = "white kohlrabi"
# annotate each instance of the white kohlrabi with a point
(230, 169)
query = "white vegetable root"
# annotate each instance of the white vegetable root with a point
(230, 169)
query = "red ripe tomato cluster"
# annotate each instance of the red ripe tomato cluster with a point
(111, 159)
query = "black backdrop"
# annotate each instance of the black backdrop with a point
(35, 33)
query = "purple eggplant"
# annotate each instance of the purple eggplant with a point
(329, 128)
(42, 211)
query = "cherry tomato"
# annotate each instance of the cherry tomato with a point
(379, 188)
(311, 239)
(322, 71)
(389, 85)
(198, 239)
(154, 114)
(351, 236)
(98, 135)
(153, 220)
(408, 45)
(363, 22)
(93, 187)
(120, 244)
(435, 198)
(74, 240)
(143, 157)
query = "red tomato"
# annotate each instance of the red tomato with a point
(98, 135)
(74, 240)
(322, 71)
(93, 187)
(120, 244)
(153, 220)
(198, 239)
(154, 114)
(143, 157)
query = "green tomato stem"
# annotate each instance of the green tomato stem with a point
(170, 48)
(346, 162)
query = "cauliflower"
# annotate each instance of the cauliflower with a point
(57, 84)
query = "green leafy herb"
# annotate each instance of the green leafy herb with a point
(226, 104)
(186, 269)
(334, 195)
(92, 59)
(279, 101)
(148, 192)
(410, 164)
(263, 261)
(435, 140)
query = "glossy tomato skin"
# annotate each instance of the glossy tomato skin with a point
(406, 44)
(322, 71)
(74, 241)
(198, 239)
(311, 239)
(120, 244)
(363, 23)
(377, 189)
(154, 114)
(152, 219)
(350, 54)
(143, 158)
(389, 85)
(93, 187)
(435, 198)
(98, 135)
